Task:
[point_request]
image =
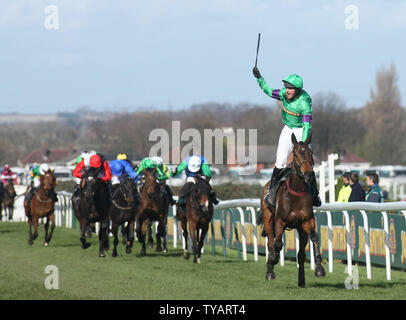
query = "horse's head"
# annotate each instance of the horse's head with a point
(89, 184)
(10, 188)
(150, 183)
(303, 158)
(48, 182)
(200, 193)
(128, 190)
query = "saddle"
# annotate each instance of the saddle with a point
(271, 193)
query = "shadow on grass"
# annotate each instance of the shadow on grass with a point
(382, 285)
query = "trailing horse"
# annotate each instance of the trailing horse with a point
(93, 206)
(124, 209)
(42, 205)
(8, 201)
(293, 210)
(154, 207)
(197, 214)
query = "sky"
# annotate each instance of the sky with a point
(127, 55)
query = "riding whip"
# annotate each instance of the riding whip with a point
(259, 40)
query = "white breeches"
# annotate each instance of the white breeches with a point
(285, 145)
(115, 180)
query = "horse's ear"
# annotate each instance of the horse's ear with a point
(309, 139)
(294, 141)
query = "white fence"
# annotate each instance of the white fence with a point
(64, 217)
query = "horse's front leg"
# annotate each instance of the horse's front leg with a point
(130, 236)
(114, 231)
(83, 228)
(268, 231)
(194, 235)
(183, 222)
(201, 241)
(51, 218)
(301, 256)
(275, 245)
(103, 237)
(310, 228)
(161, 234)
(141, 225)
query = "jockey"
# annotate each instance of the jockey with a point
(91, 160)
(166, 174)
(297, 119)
(8, 174)
(36, 172)
(162, 174)
(120, 169)
(194, 165)
(123, 156)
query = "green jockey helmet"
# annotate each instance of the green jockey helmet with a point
(149, 164)
(295, 80)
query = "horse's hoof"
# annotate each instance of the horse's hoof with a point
(186, 255)
(46, 244)
(114, 254)
(102, 255)
(302, 285)
(270, 276)
(128, 250)
(86, 245)
(198, 260)
(165, 250)
(150, 246)
(320, 272)
(30, 242)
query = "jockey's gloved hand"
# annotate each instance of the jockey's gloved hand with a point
(256, 73)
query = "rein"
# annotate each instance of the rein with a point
(122, 208)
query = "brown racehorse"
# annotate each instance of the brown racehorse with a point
(154, 207)
(199, 212)
(293, 210)
(124, 209)
(8, 201)
(93, 207)
(42, 205)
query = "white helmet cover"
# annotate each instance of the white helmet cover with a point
(158, 160)
(43, 168)
(194, 164)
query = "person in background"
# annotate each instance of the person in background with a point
(374, 193)
(346, 189)
(357, 191)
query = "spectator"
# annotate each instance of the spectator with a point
(374, 193)
(346, 189)
(357, 192)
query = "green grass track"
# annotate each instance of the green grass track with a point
(83, 275)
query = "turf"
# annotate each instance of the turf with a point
(159, 276)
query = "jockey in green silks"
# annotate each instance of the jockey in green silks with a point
(297, 118)
(162, 174)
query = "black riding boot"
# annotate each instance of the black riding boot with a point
(54, 195)
(169, 192)
(30, 194)
(274, 180)
(315, 192)
(213, 197)
(183, 193)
